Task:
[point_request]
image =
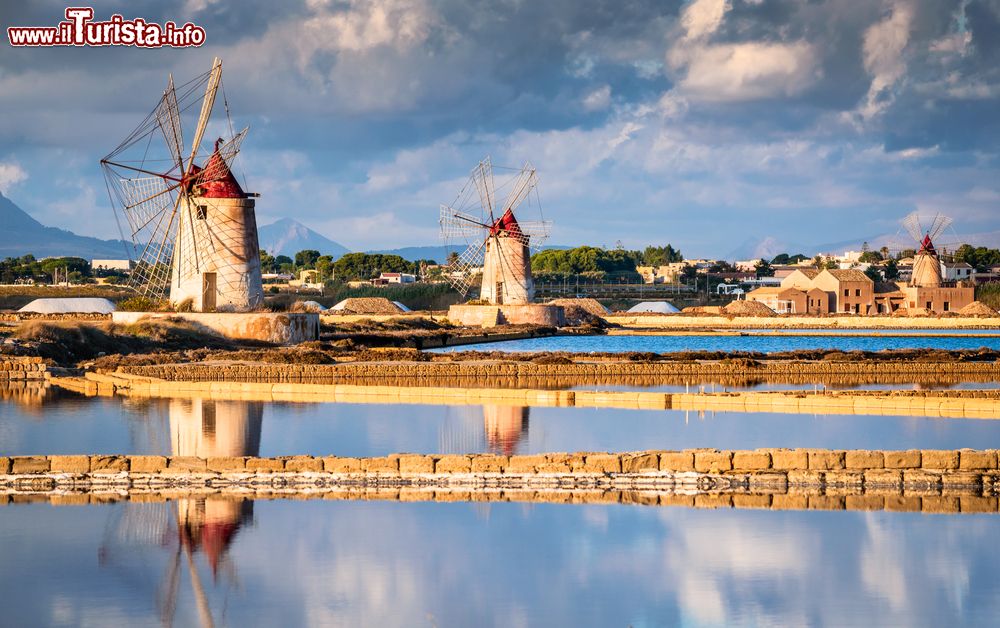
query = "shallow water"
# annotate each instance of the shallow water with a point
(403, 564)
(751, 342)
(80, 425)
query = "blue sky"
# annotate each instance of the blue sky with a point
(720, 126)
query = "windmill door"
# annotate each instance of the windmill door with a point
(208, 292)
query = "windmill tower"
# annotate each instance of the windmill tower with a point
(926, 263)
(498, 246)
(192, 227)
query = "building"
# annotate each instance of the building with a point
(957, 271)
(397, 278)
(111, 264)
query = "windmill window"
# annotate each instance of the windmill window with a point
(201, 212)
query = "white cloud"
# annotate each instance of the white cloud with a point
(11, 173)
(749, 71)
(739, 71)
(599, 99)
(883, 48)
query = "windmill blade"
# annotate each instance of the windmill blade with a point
(206, 110)
(534, 232)
(456, 224)
(522, 186)
(483, 178)
(912, 225)
(461, 272)
(168, 116)
(938, 225)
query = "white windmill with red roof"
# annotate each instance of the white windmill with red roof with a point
(192, 227)
(497, 246)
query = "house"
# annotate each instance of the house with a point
(848, 290)
(396, 278)
(800, 278)
(957, 271)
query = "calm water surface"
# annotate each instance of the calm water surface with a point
(751, 342)
(329, 563)
(78, 425)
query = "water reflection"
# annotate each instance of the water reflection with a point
(397, 563)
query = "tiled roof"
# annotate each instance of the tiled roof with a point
(849, 274)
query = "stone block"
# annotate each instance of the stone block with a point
(382, 464)
(265, 465)
(713, 461)
(976, 503)
(751, 460)
(864, 459)
(336, 464)
(676, 461)
(225, 464)
(108, 464)
(415, 464)
(186, 464)
(303, 464)
(69, 464)
(939, 504)
(29, 464)
(489, 463)
(909, 459)
(639, 462)
(788, 459)
(602, 463)
(147, 464)
(939, 459)
(864, 502)
(822, 460)
(968, 459)
(883, 478)
(454, 463)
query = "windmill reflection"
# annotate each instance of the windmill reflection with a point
(208, 524)
(504, 427)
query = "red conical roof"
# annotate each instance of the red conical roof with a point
(508, 224)
(216, 180)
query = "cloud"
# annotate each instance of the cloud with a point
(598, 100)
(11, 173)
(735, 71)
(884, 44)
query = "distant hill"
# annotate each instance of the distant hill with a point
(437, 253)
(20, 234)
(288, 236)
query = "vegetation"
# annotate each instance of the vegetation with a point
(980, 258)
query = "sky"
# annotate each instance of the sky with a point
(723, 127)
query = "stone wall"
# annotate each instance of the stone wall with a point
(283, 328)
(493, 315)
(924, 480)
(20, 369)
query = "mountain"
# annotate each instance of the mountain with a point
(20, 234)
(437, 253)
(288, 236)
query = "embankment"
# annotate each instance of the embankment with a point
(922, 480)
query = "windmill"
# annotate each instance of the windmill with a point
(926, 263)
(497, 245)
(192, 227)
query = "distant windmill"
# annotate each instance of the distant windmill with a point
(192, 226)
(926, 263)
(496, 244)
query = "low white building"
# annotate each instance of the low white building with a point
(111, 264)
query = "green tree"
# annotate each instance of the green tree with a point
(306, 259)
(763, 269)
